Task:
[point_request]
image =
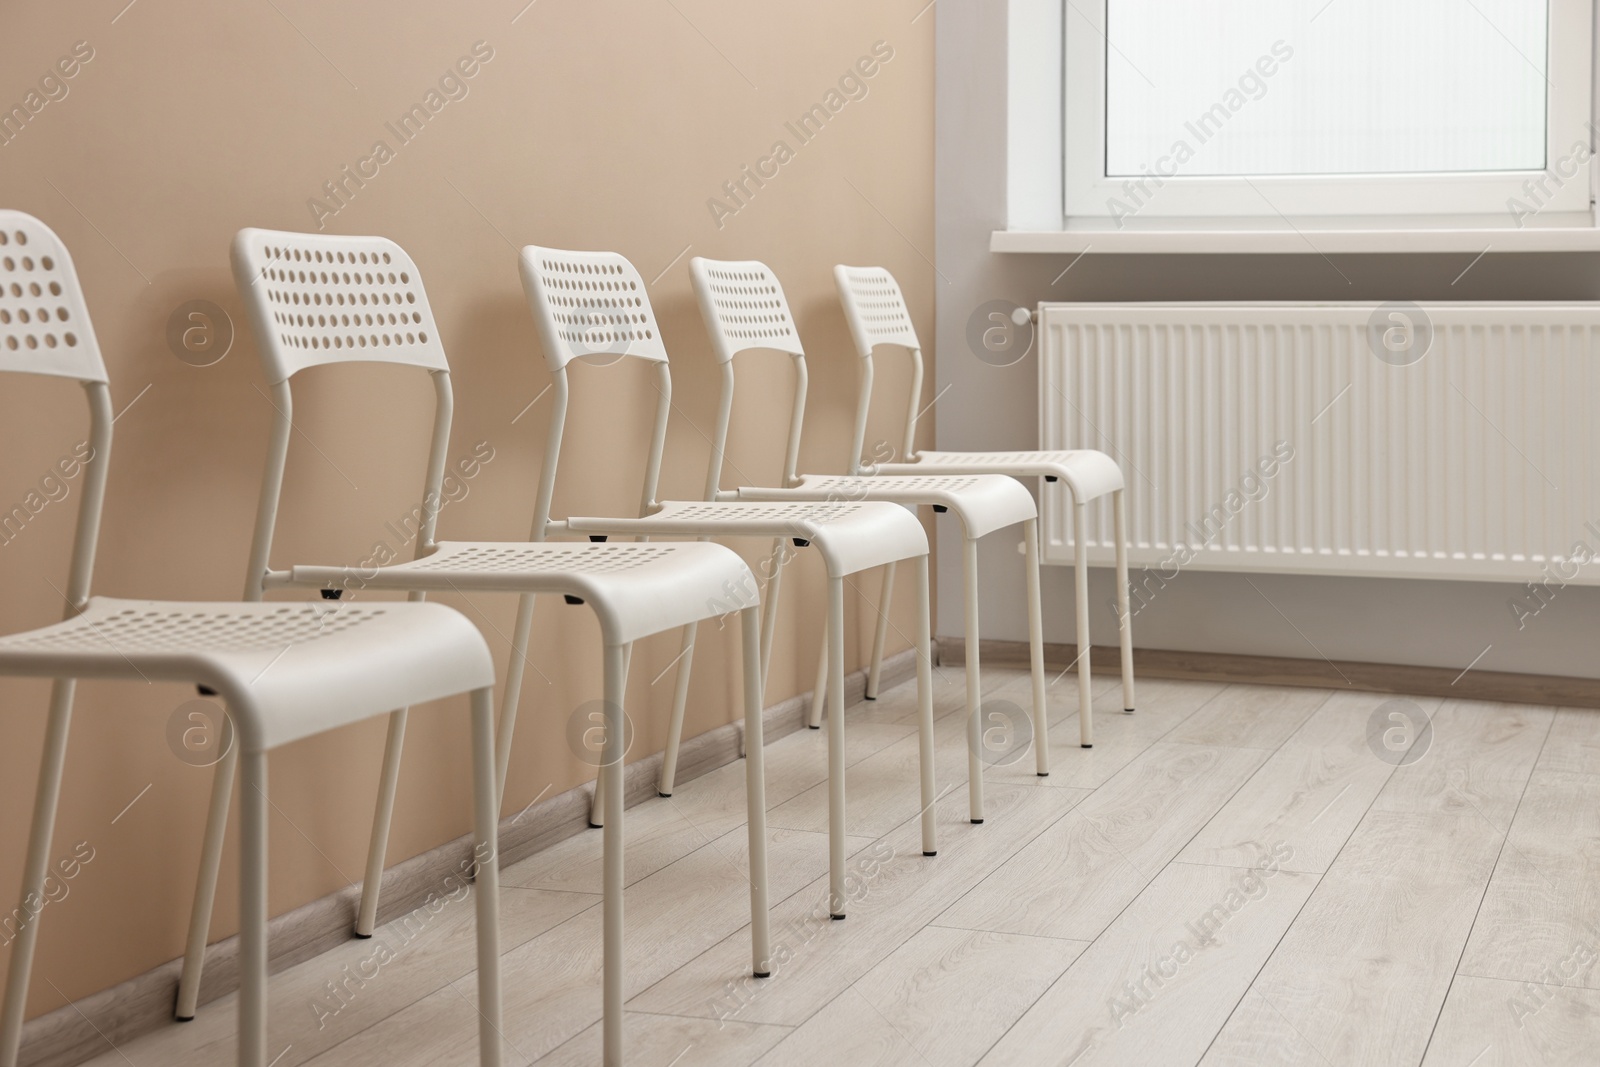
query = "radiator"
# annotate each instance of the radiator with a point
(1447, 441)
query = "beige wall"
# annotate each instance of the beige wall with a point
(602, 124)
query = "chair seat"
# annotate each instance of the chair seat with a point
(1088, 474)
(850, 537)
(286, 671)
(983, 502)
(636, 590)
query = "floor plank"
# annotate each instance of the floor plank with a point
(1118, 737)
(1543, 903)
(1489, 1023)
(940, 1000)
(1309, 796)
(1098, 858)
(1361, 974)
(899, 896)
(673, 1041)
(1477, 764)
(1249, 716)
(1574, 745)
(1162, 980)
(552, 983)
(441, 1030)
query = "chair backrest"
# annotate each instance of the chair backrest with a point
(744, 309)
(45, 329)
(44, 323)
(315, 299)
(321, 298)
(588, 304)
(591, 304)
(876, 311)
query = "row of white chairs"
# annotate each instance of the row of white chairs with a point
(287, 671)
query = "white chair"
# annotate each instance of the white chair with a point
(877, 314)
(595, 304)
(284, 671)
(318, 299)
(744, 308)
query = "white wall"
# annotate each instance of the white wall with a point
(1432, 623)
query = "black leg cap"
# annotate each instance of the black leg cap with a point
(977, 822)
(659, 793)
(865, 697)
(1085, 746)
(762, 974)
(359, 936)
(813, 727)
(837, 918)
(183, 1018)
(597, 826)
(935, 852)
(1042, 774)
(1127, 711)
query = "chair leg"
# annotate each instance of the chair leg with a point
(46, 797)
(1041, 709)
(755, 791)
(598, 803)
(969, 551)
(769, 610)
(1080, 566)
(819, 692)
(611, 783)
(925, 746)
(836, 774)
(205, 888)
(881, 636)
(680, 703)
(486, 885)
(253, 910)
(520, 636)
(382, 817)
(1124, 620)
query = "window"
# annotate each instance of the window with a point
(1280, 109)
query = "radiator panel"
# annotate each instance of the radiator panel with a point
(1474, 462)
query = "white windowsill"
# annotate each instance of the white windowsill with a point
(1568, 233)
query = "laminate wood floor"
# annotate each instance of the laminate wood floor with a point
(1233, 875)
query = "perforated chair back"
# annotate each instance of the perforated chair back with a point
(315, 299)
(44, 323)
(744, 307)
(875, 309)
(45, 329)
(588, 304)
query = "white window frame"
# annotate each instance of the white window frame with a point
(1055, 78)
(1088, 190)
